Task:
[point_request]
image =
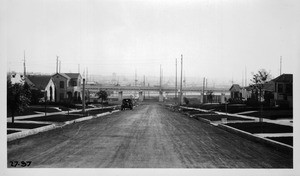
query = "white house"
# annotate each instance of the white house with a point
(43, 83)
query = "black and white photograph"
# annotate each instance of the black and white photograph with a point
(150, 87)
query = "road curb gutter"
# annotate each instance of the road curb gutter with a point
(23, 134)
(18, 135)
(268, 142)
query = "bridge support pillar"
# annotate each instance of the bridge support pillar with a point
(181, 100)
(120, 96)
(201, 98)
(141, 96)
(222, 98)
(160, 98)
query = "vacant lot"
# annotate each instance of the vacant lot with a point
(24, 125)
(55, 118)
(12, 131)
(219, 117)
(273, 114)
(261, 127)
(231, 108)
(285, 140)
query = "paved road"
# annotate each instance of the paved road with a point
(150, 136)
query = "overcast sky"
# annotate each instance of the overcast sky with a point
(218, 39)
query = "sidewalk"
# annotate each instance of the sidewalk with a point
(287, 122)
(41, 114)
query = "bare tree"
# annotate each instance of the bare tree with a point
(258, 81)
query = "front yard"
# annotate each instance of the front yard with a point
(217, 117)
(25, 125)
(261, 127)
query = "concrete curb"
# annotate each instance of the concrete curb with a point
(203, 120)
(22, 134)
(268, 142)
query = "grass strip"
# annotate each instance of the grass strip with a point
(261, 127)
(25, 125)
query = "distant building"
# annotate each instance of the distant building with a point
(67, 86)
(246, 92)
(235, 92)
(240, 93)
(283, 90)
(43, 83)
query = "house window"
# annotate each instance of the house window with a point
(289, 89)
(280, 88)
(74, 83)
(62, 84)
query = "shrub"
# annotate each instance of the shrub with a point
(186, 101)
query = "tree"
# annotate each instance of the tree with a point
(103, 95)
(258, 80)
(18, 98)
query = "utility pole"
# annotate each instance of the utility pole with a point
(181, 81)
(24, 66)
(160, 77)
(184, 82)
(243, 80)
(135, 78)
(87, 74)
(56, 64)
(148, 91)
(144, 87)
(78, 68)
(203, 89)
(245, 76)
(83, 97)
(59, 66)
(280, 64)
(135, 82)
(176, 78)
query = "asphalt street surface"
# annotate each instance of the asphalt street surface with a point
(150, 136)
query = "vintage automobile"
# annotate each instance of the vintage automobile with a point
(127, 103)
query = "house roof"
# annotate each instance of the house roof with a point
(286, 78)
(38, 81)
(62, 74)
(73, 75)
(235, 88)
(248, 88)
